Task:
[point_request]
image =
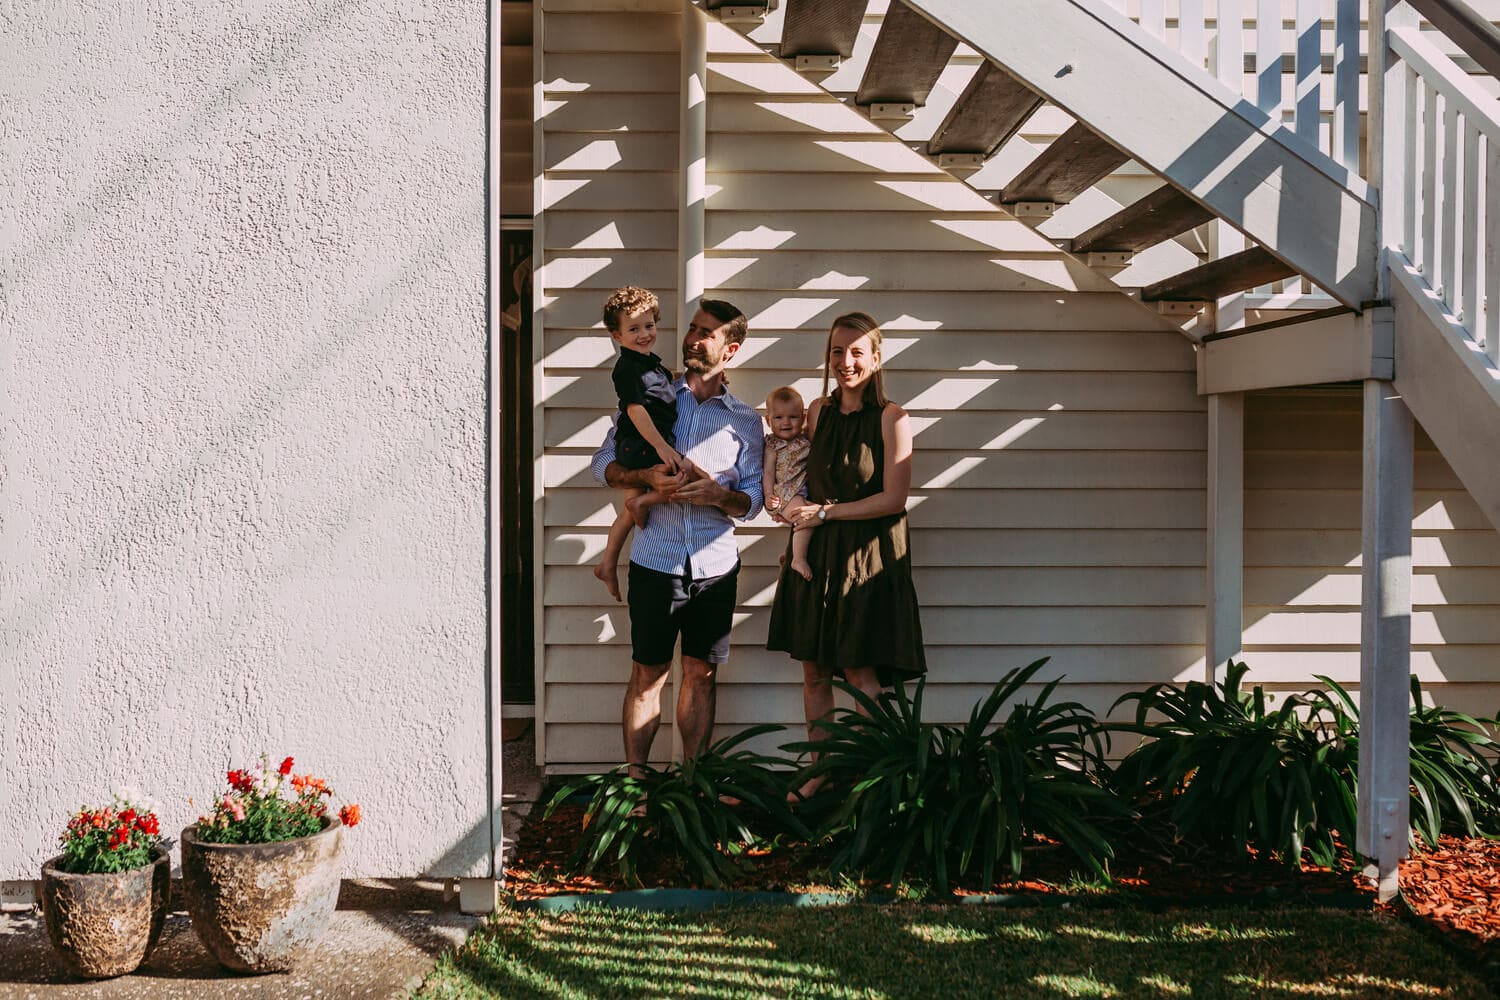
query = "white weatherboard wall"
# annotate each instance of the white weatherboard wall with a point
(242, 499)
(1302, 556)
(1058, 498)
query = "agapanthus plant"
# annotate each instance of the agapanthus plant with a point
(256, 809)
(120, 837)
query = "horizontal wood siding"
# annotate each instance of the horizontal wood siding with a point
(1058, 493)
(1302, 555)
(609, 207)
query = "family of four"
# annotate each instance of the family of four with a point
(693, 459)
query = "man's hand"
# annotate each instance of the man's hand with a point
(658, 478)
(702, 490)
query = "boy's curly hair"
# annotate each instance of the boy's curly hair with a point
(628, 301)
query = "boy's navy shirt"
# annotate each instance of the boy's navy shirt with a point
(642, 379)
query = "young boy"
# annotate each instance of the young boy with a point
(648, 409)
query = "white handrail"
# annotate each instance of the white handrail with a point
(1443, 206)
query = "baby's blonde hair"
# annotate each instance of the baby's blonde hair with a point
(628, 301)
(785, 394)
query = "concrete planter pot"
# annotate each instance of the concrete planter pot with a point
(105, 925)
(262, 907)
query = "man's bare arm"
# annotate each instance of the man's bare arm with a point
(655, 478)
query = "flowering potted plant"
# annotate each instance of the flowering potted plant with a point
(260, 870)
(105, 896)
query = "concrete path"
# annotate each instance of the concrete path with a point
(384, 939)
(381, 949)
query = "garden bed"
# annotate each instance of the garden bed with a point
(545, 844)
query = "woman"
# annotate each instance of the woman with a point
(857, 618)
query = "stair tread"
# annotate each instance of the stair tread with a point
(1161, 215)
(1074, 162)
(821, 27)
(990, 110)
(910, 54)
(1218, 278)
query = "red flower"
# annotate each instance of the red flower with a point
(286, 767)
(350, 814)
(148, 825)
(241, 781)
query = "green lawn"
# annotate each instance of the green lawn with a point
(947, 953)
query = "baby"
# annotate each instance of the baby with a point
(786, 464)
(648, 409)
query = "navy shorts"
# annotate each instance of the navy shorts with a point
(635, 452)
(663, 605)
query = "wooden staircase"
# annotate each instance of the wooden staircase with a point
(1295, 204)
(1285, 206)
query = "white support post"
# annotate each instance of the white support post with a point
(692, 173)
(1226, 530)
(1385, 634)
(478, 895)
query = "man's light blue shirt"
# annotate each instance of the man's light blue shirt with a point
(723, 437)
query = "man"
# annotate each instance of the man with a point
(684, 563)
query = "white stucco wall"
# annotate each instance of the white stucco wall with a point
(242, 411)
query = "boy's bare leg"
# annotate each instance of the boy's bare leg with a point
(608, 570)
(801, 539)
(639, 506)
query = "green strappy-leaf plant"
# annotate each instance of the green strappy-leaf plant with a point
(1454, 783)
(1227, 768)
(938, 800)
(688, 811)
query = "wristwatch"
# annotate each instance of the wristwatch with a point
(823, 512)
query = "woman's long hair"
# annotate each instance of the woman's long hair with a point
(874, 394)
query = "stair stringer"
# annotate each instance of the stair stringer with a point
(1450, 386)
(1229, 156)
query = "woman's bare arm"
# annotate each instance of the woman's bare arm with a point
(895, 428)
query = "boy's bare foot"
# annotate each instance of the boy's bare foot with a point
(609, 575)
(802, 568)
(639, 512)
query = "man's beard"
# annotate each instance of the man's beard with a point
(698, 363)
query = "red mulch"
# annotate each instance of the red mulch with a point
(1456, 891)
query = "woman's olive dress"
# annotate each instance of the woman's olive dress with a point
(859, 609)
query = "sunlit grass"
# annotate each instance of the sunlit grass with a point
(867, 952)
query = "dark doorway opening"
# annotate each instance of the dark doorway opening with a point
(517, 531)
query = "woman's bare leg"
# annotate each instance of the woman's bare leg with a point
(864, 679)
(817, 705)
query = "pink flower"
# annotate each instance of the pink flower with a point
(236, 808)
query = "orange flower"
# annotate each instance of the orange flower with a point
(350, 814)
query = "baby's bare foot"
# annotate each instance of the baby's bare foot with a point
(609, 575)
(802, 568)
(639, 512)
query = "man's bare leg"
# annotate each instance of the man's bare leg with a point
(640, 716)
(696, 703)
